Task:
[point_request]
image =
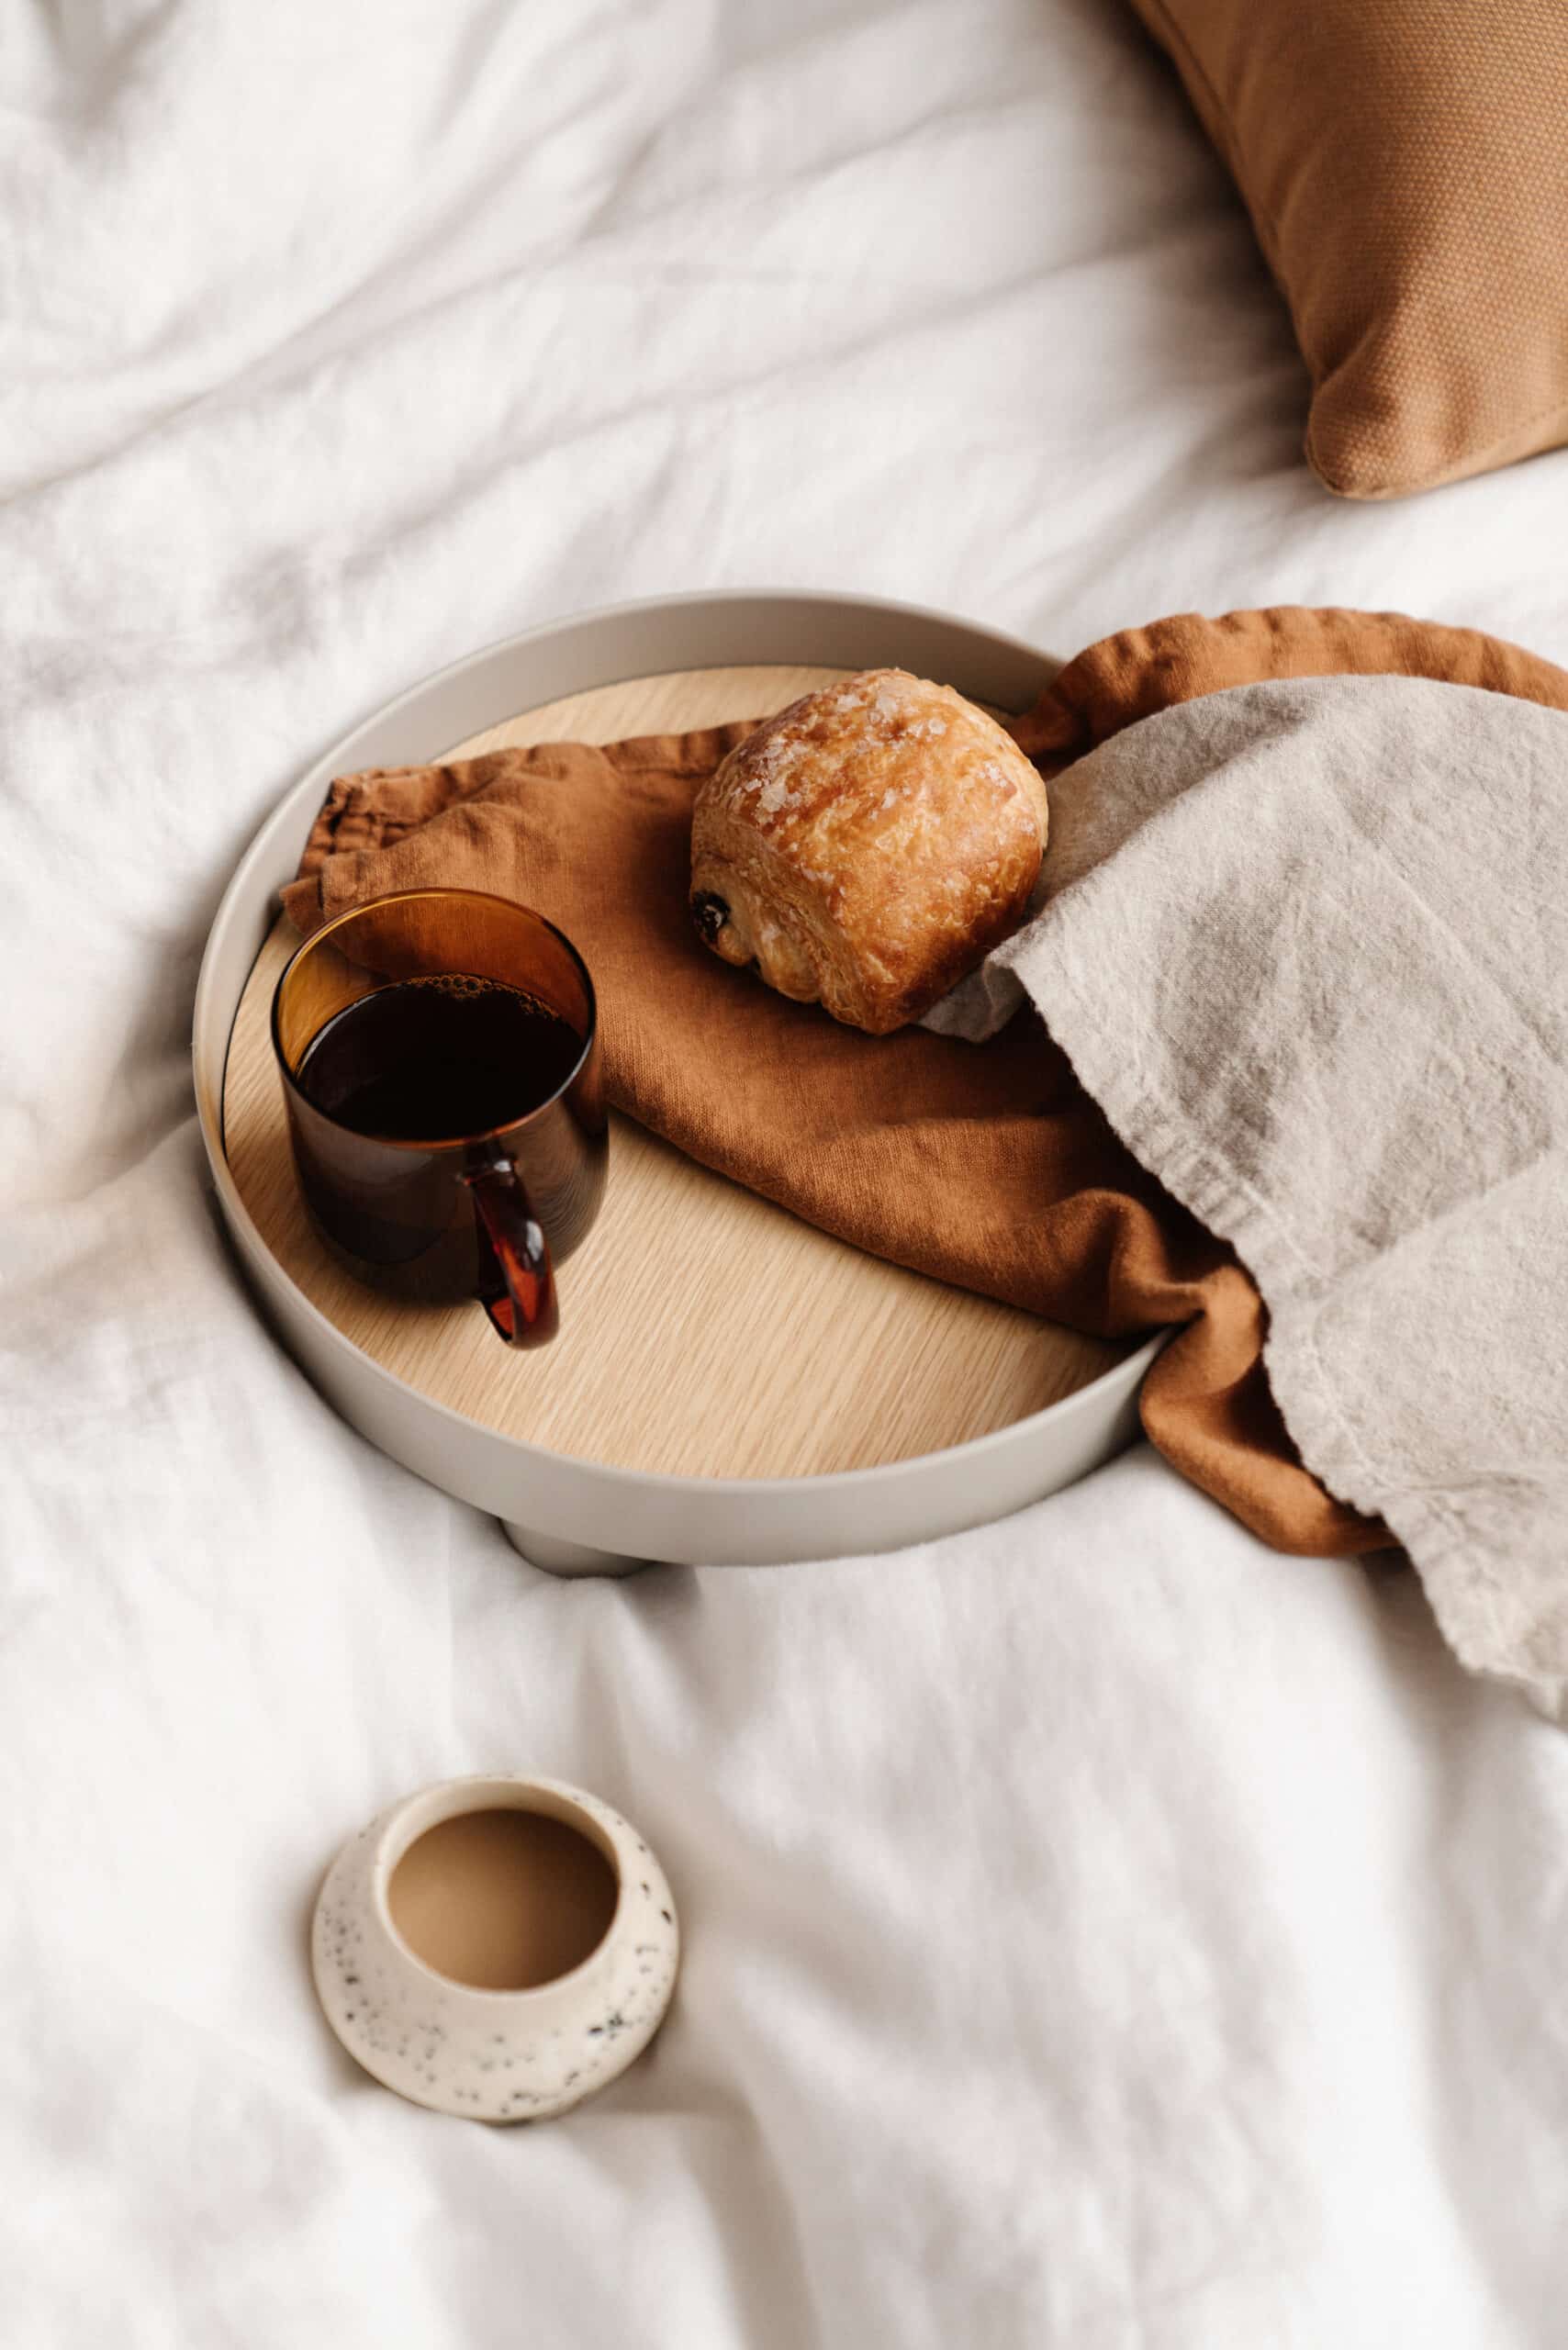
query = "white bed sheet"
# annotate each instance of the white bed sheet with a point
(1101, 1931)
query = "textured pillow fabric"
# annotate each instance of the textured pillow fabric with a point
(1405, 165)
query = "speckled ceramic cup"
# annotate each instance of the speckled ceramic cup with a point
(493, 2055)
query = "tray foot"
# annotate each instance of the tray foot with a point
(559, 1558)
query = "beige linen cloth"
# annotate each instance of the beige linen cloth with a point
(1308, 948)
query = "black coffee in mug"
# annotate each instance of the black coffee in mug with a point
(441, 1063)
(438, 1058)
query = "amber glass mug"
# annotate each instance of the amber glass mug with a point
(440, 1067)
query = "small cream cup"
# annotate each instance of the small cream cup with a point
(461, 2047)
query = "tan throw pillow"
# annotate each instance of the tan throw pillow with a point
(1405, 165)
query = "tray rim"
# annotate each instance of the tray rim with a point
(650, 636)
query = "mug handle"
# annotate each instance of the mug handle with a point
(517, 1282)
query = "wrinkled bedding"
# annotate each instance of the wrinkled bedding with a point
(1101, 1931)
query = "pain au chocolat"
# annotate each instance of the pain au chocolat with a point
(867, 847)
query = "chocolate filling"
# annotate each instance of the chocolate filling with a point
(709, 914)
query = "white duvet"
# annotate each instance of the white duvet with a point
(1101, 1931)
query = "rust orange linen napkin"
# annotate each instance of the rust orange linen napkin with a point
(987, 1165)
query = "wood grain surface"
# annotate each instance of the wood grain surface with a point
(704, 1331)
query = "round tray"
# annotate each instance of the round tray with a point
(911, 1409)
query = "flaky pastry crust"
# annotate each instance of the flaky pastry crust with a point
(867, 847)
